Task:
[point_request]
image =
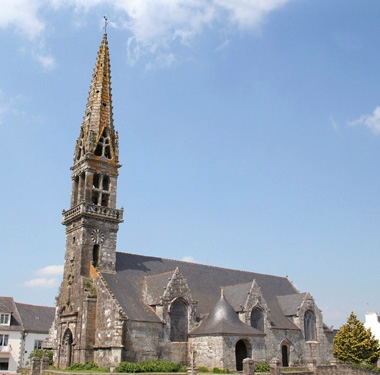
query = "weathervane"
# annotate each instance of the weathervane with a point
(105, 24)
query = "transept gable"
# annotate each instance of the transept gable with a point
(166, 287)
(290, 304)
(244, 297)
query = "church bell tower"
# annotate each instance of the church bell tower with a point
(91, 222)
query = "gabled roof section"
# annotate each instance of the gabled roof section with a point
(36, 319)
(8, 306)
(155, 287)
(203, 281)
(290, 304)
(237, 294)
(97, 135)
(223, 320)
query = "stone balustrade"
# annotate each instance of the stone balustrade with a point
(81, 209)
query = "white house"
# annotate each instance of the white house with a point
(23, 328)
(372, 321)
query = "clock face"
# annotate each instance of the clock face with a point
(97, 236)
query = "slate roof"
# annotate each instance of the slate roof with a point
(237, 294)
(204, 283)
(223, 320)
(8, 306)
(27, 318)
(289, 304)
(37, 319)
(155, 285)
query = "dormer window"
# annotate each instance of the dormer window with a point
(5, 319)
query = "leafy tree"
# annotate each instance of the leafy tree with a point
(355, 344)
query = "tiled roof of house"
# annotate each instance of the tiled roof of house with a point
(37, 319)
(8, 306)
(204, 283)
(27, 318)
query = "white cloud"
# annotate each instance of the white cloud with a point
(45, 60)
(372, 122)
(154, 26)
(188, 258)
(42, 282)
(49, 281)
(50, 270)
(248, 14)
(223, 45)
(22, 15)
(8, 106)
(334, 123)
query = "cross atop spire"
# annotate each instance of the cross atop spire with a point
(105, 24)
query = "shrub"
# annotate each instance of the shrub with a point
(159, 366)
(84, 366)
(148, 366)
(217, 370)
(262, 367)
(203, 369)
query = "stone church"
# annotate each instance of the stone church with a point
(115, 306)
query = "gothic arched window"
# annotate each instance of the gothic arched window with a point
(95, 256)
(257, 319)
(103, 148)
(309, 325)
(178, 321)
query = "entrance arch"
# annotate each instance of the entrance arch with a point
(66, 357)
(240, 354)
(285, 355)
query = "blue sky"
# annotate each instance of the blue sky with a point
(249, 137)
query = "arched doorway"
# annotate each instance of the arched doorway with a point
(66, 349)
(240, 354)
(285, 355)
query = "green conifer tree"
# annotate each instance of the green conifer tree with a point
(355, 344)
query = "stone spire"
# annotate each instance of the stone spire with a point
(97, 136)
(92, 220)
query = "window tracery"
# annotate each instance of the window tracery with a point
(309, 326)
(178, 321)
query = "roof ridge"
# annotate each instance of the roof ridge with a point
(30, 304)
(206, 265)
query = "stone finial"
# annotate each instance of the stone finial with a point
(248, 366)
(45, 362)
(275, 366)
(35, 368)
